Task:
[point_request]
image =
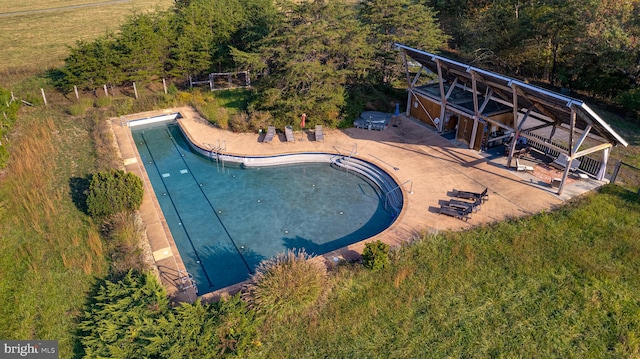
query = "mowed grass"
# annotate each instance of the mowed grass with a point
(7, 6)
(39, 40)
(560, 284)
(50, 252)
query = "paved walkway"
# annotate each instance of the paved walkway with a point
(428, 165)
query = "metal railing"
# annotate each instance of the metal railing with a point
(587, 164)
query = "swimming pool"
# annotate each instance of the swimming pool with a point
(226, 218)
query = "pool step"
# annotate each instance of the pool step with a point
(390, 189)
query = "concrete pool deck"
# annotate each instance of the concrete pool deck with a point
(427, 165)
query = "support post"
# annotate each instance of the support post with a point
(105, 90)
(443, 98)
(135, 90)
(75, 89)
(474, 131)
(614, 175)
(603, 166)
(164, 85)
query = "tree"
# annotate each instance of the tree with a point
(120, 316)
(402, 21)
(143, 47)
(310, 59)
(91, 64)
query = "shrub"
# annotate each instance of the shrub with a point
(80, 107)
(260, 120)
(102, 102)
(112, 192)
(630, 99)
(286, 285)
(124, 232)
(375, 255)
(239, 122)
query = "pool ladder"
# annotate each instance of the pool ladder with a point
(186, 281)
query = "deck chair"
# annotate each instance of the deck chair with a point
(271, 131)
(319, 133)
(462, 214)
(482, 196)
(524, 168)
(288, 132)
(475, 205)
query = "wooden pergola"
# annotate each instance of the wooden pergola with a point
(533, 108)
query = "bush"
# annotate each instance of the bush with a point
(286, 285)
(113, 192)
(104, 101)
(124, 232)
(239, 122)
(375, 255)
(630, 99)
(80, 107)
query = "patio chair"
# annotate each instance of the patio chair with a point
(319, 133)
(462, 214)
(288, 132)
(482, 196)
(525, 168)
(475, 205)
(271, 131)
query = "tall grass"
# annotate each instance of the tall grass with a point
(49, 250)
(561, 284)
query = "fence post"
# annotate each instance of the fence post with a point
(164, 85)
(615, 172)
(105, 90)
(43, 96)
(75, 89)
(135, 90)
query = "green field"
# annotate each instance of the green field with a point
(37, 40)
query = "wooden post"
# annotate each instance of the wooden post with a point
(615, 172)
(164, 85)
(229, 79)
(43, 96)
(75, 89)
(248, 79)
(190, 82)
(135, 90)
(211, 82)
(105, 90)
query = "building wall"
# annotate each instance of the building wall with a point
(417, 111)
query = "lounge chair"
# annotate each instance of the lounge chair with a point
(475, 205)
(482, 196)
(524, 168)
(462, 214)
(319, 133)
(288, 132)
(271, 131)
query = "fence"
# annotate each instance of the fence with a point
(587, 164)
(224, 80)
(626, 176)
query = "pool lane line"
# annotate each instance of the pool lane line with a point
(210, 204)
(176, 210)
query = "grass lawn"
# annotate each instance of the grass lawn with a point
(561, 284)
(35, 41)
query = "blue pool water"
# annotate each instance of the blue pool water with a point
(225, 219)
